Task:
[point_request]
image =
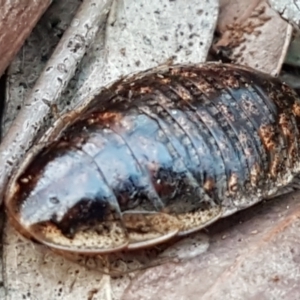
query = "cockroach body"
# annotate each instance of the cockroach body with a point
(156, 155)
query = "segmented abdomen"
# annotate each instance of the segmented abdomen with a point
(162, 155)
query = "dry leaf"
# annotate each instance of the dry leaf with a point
(17, 21)
(253, 34)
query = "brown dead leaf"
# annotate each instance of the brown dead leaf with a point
(18, 18)
(253, 34)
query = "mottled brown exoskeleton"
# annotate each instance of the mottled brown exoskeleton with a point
(156, 155)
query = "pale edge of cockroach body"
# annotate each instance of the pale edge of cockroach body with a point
(242, 201)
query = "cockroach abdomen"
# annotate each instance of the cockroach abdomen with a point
(159, 154)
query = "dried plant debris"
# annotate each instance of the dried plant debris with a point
(252, 34)
(128, 42)
(288, 9)
(18, 18)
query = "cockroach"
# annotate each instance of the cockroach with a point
(156, 155)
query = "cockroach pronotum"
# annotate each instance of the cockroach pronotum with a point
(159, 154)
